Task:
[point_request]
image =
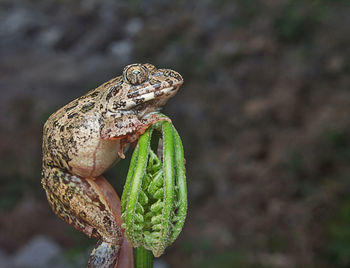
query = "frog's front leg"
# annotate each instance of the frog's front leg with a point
(92, 207)
(129, 127)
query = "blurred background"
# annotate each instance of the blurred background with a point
(263, 114)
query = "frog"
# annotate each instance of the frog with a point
(89, 135)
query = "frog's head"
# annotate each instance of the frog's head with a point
(143, 89)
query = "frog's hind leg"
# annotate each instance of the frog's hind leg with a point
(65, 194)
(81, 203)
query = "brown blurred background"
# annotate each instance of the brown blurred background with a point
(263, 114)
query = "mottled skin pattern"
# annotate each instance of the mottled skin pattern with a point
(86, 137)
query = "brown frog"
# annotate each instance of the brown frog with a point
(85, 138)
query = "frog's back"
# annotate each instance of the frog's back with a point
(72, 115)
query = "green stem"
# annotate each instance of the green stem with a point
(144, 258)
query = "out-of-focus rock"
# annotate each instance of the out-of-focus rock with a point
(335, 64)
(37, 253)
(134, 26)
(257, 107)
(4, 259)
(160, 264)
(50, 37)
(121, 49)
(19, 20)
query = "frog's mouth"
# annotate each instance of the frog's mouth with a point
(154, 101)
(151, 97)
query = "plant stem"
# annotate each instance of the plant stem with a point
(144, 258)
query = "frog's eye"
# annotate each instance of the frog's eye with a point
(135, 74)
(149, 66)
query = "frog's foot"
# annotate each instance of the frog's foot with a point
(108, 255)
(150, 120)
(104, 255)
(129, 128)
